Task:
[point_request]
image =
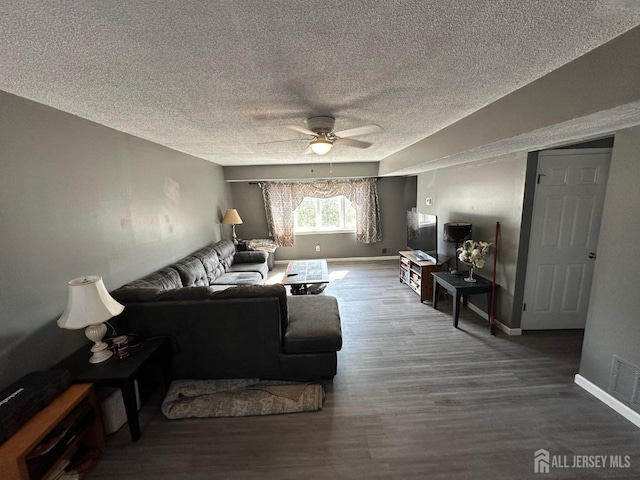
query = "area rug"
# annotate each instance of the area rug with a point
(239, 398)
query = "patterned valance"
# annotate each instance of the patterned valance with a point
(282, 198)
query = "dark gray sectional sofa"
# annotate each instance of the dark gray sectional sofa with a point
(225, 323)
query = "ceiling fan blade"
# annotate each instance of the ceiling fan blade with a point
(352, 132)
(306, 131)
(348, 142)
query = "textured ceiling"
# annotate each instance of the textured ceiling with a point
(217, 79)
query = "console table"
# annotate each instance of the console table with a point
(414, 272)
(460, 289)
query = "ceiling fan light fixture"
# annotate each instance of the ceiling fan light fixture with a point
(321, 145)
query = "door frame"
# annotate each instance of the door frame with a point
(531, 172)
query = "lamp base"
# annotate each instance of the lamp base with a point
(96, 333)
(101, 356)
(233, 232)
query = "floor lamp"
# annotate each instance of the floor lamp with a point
(457, 233)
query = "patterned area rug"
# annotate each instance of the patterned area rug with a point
(239, 398)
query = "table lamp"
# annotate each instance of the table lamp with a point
(231, 217)
(90, 305)
(457, 233)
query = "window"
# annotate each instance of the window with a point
(324, 215)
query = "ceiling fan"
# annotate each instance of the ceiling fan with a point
(324, 137)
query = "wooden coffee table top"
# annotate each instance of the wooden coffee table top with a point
(305, 272)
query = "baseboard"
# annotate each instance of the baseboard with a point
(505, 328)
(348, 259)
(607, 399)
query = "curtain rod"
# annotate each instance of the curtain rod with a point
(314, 180)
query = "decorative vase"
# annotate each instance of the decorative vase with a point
(470, 278)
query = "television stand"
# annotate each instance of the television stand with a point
(416, 273)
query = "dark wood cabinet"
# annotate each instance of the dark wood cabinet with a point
(416, 273)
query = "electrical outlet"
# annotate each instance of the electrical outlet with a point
(317, 247)
(428, 200)
(385, 251)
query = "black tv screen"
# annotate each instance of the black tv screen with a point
(422, 235)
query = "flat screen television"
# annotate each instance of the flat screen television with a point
(422, 235)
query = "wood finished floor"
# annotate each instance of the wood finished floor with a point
(413, 398)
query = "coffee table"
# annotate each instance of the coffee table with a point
(302, 274)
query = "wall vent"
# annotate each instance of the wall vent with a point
(635, 396)
(625, 382)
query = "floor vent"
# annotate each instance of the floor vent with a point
(625, 382)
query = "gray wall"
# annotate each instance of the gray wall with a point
(396, 195)
(613, 321)
(77, 198)
(482, 194)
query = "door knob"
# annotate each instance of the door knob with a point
(592, 255)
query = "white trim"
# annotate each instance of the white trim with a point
(607, 399)
(506, 329)
(335, 231)
(348, 259)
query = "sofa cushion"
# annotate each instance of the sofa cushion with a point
(192, 272)
(209, 258)
(137, 294)
(259, 291)
(314, 324)
(261, 268)
(225, 250)
(250, 257)
(165, 279)
(238, 278)
(251, 262)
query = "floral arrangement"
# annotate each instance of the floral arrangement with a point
(474, 253)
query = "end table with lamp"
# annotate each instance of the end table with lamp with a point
(90, 305)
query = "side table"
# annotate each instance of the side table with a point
(460, 289)
(122, 373)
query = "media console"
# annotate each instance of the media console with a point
(416, 273)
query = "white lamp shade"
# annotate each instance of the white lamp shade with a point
(89, 303)
(231, 217)
(320, 146)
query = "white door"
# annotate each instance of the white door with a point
(564, 234)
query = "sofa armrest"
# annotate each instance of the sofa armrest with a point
(250, 257)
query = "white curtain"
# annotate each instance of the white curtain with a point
(282, 198)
